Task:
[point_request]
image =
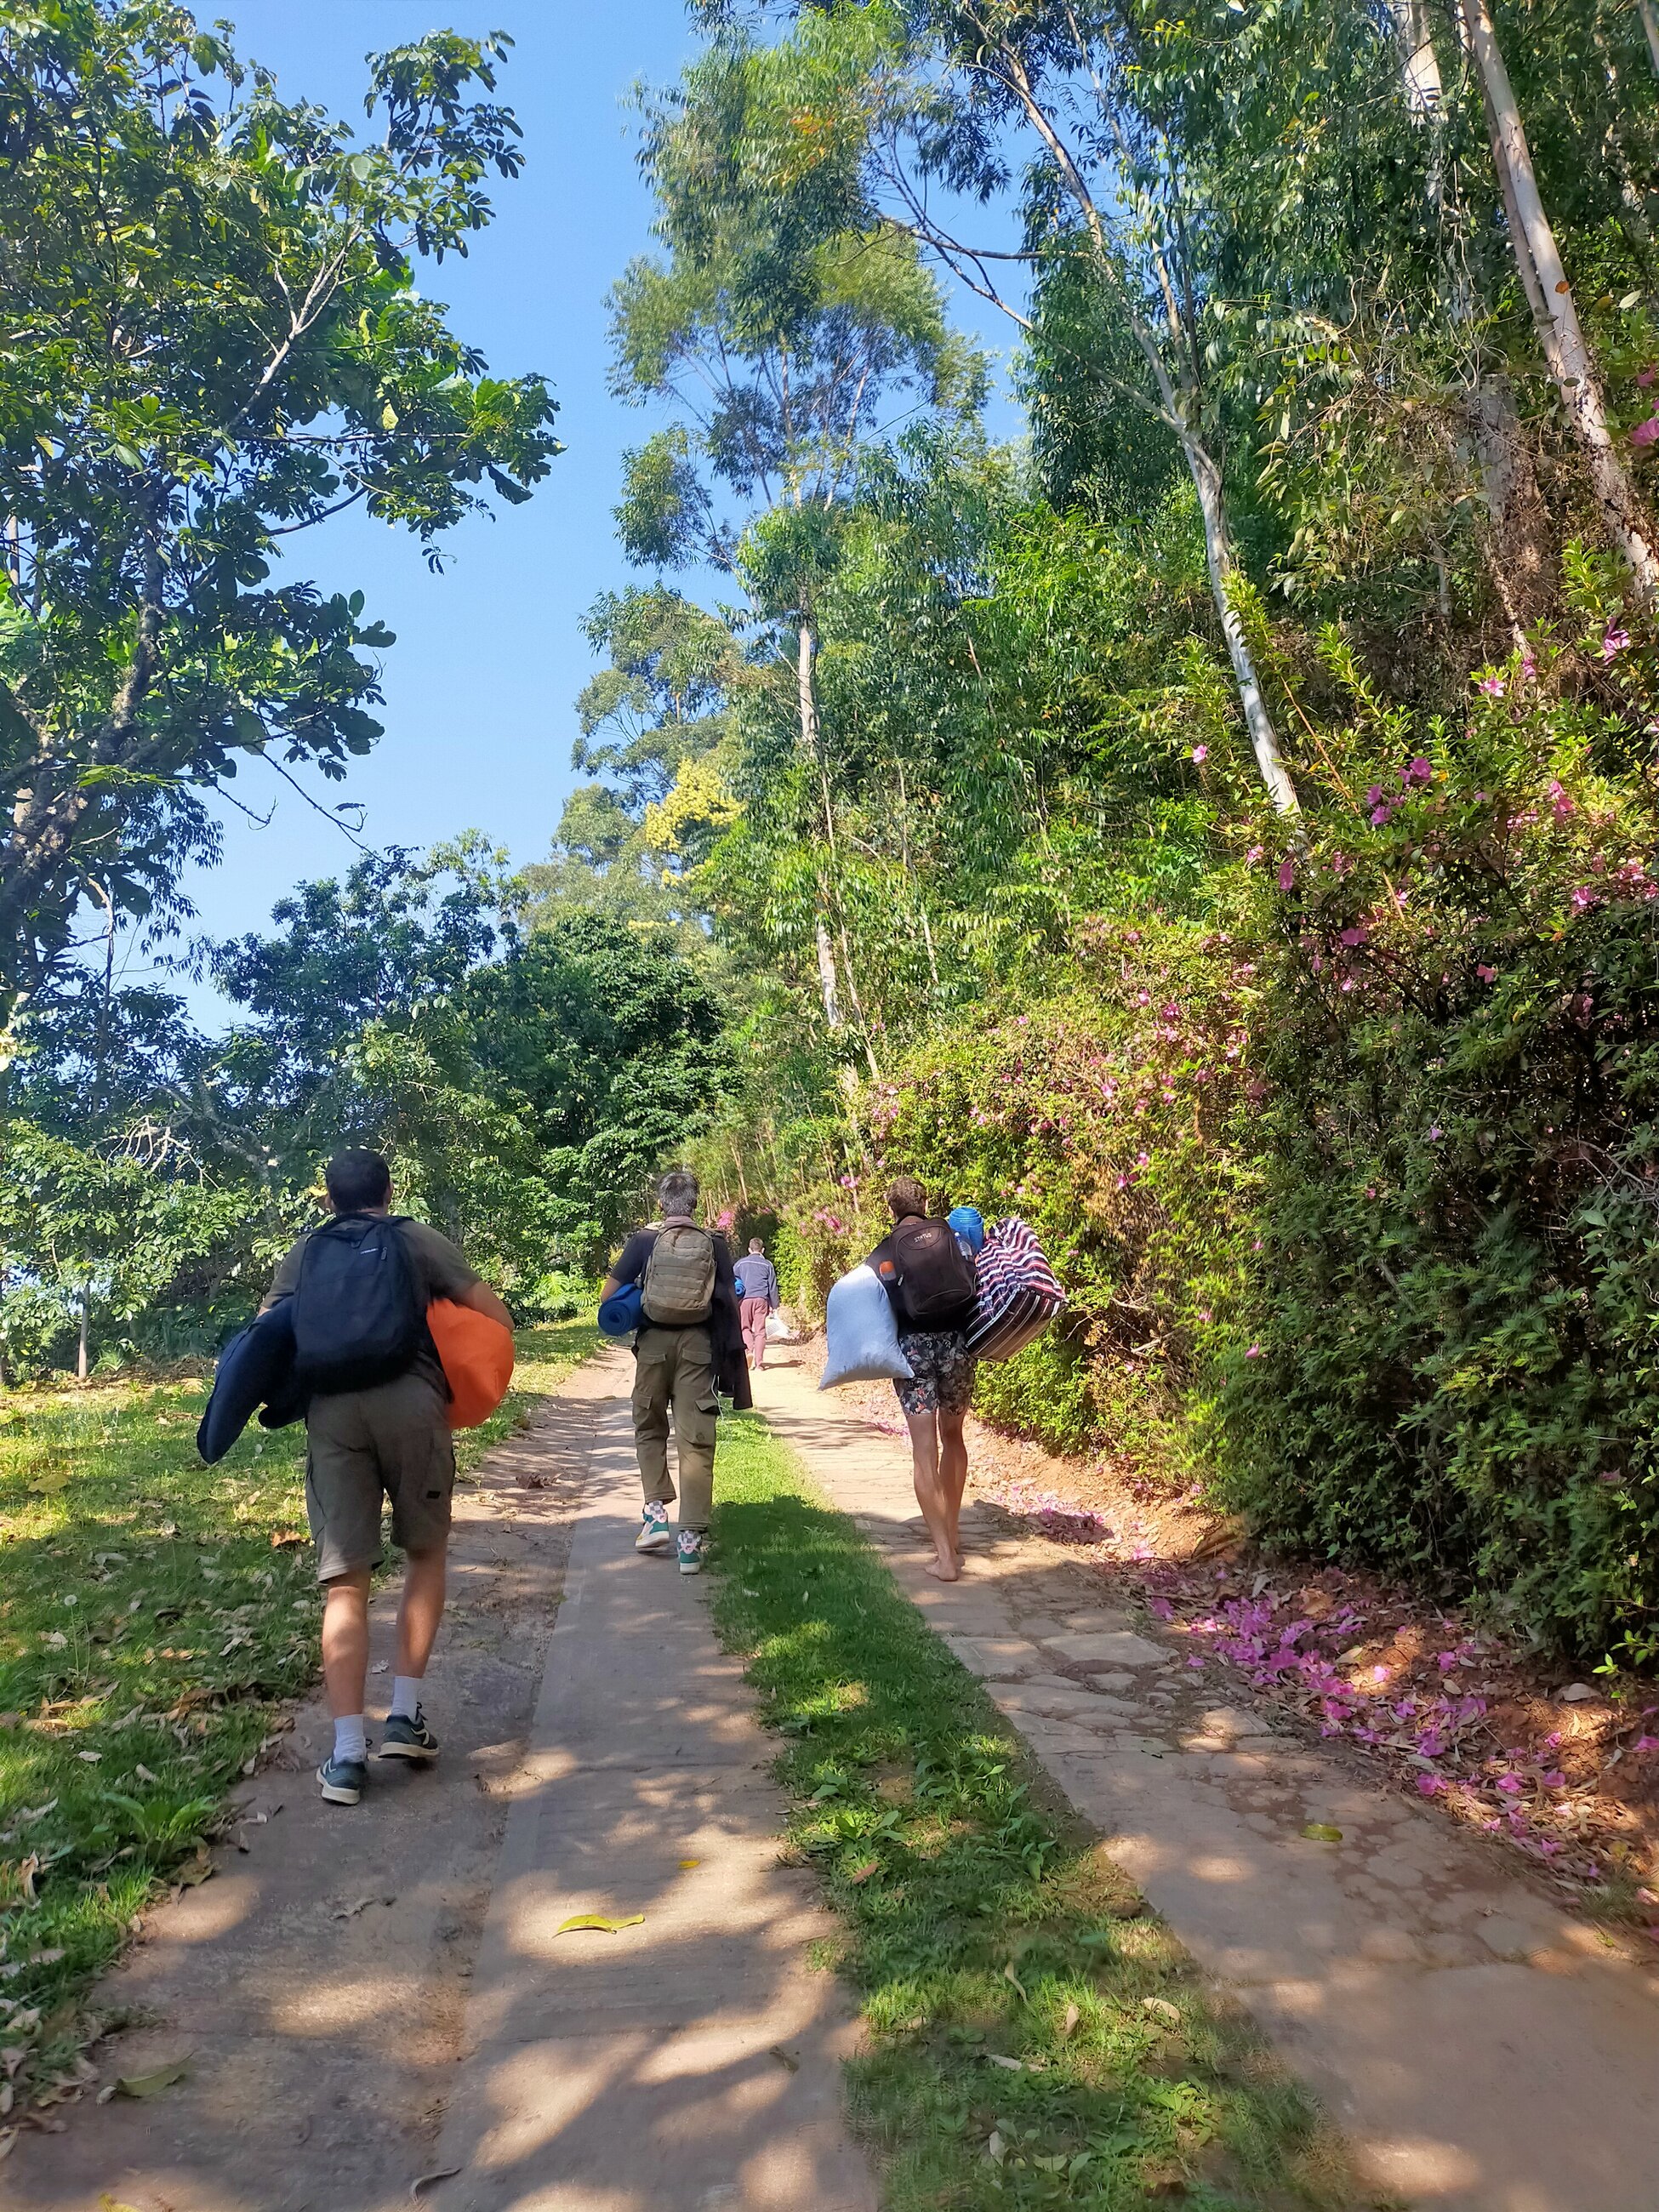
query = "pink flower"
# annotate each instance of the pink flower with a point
(1528, 669)
(1253, 856)
(1645, 1743)
(1254, 1351)
(1644, 433)
(1510, 1784)
(1487, 975)
(1200, 753)
(1431, 1784)
(1615, 640)
(1418, 770)
(1645, 376)
(1493, 686)
(1358, 935)
(1435, 1133)
(1554, 1780)
(1340, 864)
(1287, 874)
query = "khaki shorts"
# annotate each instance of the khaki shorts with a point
(393, 1441)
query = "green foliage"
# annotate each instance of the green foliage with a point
(217, 341)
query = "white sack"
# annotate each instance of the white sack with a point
(863, 1335)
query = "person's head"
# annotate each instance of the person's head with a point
(756, 1246)
(357, 1181)
(905, 1195)
(676, 1193)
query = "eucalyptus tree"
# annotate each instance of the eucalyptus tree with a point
(782, 337)
(214, 342)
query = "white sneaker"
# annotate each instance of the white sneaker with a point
(690, 1550)
(655, 1535)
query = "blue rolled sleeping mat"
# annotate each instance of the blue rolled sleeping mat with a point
(255, 1369)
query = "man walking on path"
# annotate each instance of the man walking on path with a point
(376, 1423)
(757, 1297)
(689, 1346)
(929, 1279)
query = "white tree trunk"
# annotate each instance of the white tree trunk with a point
(1417, 59)
(80, 1345)
(1218, 556)
(1649, 16)
(807, 702)
(1565, 347)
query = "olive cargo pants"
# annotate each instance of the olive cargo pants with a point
(674, 1368)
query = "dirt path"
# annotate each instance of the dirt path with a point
(691, 2061)
(1482, 2051)
(319, 1981)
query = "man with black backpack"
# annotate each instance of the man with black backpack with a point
(687, 1347)
(928, 1275)
(376, 1423)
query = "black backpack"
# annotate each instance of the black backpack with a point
(934, 1277)
(357, 1319)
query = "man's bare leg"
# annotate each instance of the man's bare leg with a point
(952, 1474)
(421, 1609)
(345, 1641)
(930, 1494)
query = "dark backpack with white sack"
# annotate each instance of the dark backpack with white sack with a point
(1019, 1293)
(358, 1318)
(933, 1277)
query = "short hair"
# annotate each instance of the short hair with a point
(677, 1191)
(356, 1179)
(906, 1195)
(754, 1244)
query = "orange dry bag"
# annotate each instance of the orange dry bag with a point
(477, 1355)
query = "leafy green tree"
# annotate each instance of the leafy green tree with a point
(216, 342)
(781, 334)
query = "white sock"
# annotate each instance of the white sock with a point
(350, 1741)
(405, 1697)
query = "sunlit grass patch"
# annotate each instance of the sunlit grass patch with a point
(154, 1613)
(1036, 2037)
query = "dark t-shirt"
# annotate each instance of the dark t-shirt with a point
(439, 1272)
(630, 1262)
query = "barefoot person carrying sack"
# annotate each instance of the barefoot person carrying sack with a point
(377, 1423)
(928, 1276)
(688, 1347)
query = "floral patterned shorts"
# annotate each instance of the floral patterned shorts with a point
(943, 1371)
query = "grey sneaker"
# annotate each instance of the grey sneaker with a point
(691, 1542)
(343, 1780)
(402, 1738)
(655, 1535)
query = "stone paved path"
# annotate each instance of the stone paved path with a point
(1482, 2051)
(691, 2064)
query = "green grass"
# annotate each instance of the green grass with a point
(153, 1612)
(979, 1923)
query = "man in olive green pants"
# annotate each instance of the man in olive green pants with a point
(678, 1367)
(675, 1367)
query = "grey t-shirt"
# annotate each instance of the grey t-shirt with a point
(757, 1278)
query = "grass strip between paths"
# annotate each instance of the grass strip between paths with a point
(1036, 2037)
(153, 1612)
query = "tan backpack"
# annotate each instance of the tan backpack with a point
(678, 1289)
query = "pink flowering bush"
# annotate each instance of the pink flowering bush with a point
(1456, 1300)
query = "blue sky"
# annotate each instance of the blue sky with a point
(488, 657)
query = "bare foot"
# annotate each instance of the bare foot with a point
(944, 1571)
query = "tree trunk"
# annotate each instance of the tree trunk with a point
(1649, 16)
(1420, 63)
(1565, 347)
(807, 704)
(1218, 555)
(1518, 542)
(81, 1342)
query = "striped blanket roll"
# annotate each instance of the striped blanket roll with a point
(1018, 1293)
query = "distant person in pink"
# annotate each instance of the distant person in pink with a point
(758, 1297)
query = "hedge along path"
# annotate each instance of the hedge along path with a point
(1480, 2051)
